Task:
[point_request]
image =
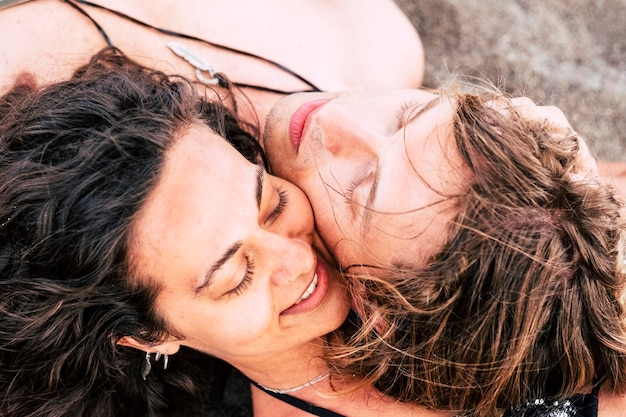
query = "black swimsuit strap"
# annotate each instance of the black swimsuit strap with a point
(298, 403)
(100, 29)
(313, 87)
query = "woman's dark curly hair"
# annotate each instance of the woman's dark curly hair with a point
(77, 160)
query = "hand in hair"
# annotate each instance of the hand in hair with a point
(586, 166)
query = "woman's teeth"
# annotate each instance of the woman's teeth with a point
(309, 290)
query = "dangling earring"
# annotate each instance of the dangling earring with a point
(146, 366)
(166, 359)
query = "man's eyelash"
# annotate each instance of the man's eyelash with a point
(245, 281)
(349, 191)
(402, 111)
(283, 200)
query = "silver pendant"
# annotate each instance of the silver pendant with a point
(197, 62)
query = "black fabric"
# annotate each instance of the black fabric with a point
(300, 404)
(583, 405)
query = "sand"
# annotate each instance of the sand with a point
(570, 54)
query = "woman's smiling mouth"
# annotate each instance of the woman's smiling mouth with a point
(314, 293)
(309, 290)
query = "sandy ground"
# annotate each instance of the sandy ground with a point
(571, 54)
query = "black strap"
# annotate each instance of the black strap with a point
(100, 29)
(299, 404)
(312, 87)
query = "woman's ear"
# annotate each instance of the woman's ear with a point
(165, 348)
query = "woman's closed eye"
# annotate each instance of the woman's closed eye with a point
(245, 280)
(279, 208)
(282, 199)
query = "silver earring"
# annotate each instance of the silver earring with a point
(166, 359)
(146, 367)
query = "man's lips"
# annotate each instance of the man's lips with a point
(298, 120)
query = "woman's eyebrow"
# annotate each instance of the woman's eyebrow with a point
(230, 252)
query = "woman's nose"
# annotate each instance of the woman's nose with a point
(288, 258)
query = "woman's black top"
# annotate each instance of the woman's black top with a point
(583, 405)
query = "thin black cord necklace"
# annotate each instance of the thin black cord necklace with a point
(313, 87)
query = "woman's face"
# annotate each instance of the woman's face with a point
(378, 169)
(232, 249)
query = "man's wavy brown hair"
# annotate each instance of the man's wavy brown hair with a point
(524, 299)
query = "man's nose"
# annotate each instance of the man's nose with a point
(343, 133)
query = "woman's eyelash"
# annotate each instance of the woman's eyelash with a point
(245, 281)
(283, 200)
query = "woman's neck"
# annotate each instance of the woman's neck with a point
(285, 370)
(364, 402)
(295, 368)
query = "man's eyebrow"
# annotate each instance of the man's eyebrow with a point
(414, 114)
(260, 174)
(370, 201)
(421, 109)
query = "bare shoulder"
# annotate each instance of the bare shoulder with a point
(337, 44)
(35, 37)
(342, 44)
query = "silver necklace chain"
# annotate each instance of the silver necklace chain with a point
(299, 387)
